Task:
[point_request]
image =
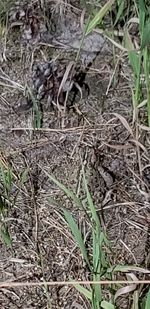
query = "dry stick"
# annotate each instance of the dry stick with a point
(69, 68)
(14, 86)
(129, 250)
(64, 110)
(140, 179)
(70, 5)
(49, 130)
(68, 283)
(78, 143)
(113, 74)
(5, 39)
(12, 83)
(73, 129)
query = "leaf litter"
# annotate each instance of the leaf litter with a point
(34, 217)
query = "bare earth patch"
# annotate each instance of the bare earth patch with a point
(87, 130)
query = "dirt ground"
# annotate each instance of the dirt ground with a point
(90, 129)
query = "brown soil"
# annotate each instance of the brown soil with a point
(90, 131)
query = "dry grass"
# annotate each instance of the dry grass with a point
(42, 254)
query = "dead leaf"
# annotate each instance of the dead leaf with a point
(124, 122)
(137, 143)
(117, 147)
(125, 290)
(64, 79)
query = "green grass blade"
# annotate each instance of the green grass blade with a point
(82, 40)
(144, 24)
(90, 203)
(84, 291)
(142, 14)
(142, 7)
(146, 35)
(37, 114)
(147, 305)
(120, 11)
(77, 235)
(96, 248)
(146, 65)
(127, 41)
(6, 176)
(134, 58)
(96, 251)
(97, 295)
(106, 305)
(62, 187)
(6, 236)
(135, 62)
(99, 16)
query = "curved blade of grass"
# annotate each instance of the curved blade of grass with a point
(84, 291)
(147, 305)
(125, 290)
(62, 187)
(124, 122)
(99, 16)
(122, 268)
(96, 234)
(77, 235)
(106, 305)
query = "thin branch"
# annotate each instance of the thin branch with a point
(68, 283)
